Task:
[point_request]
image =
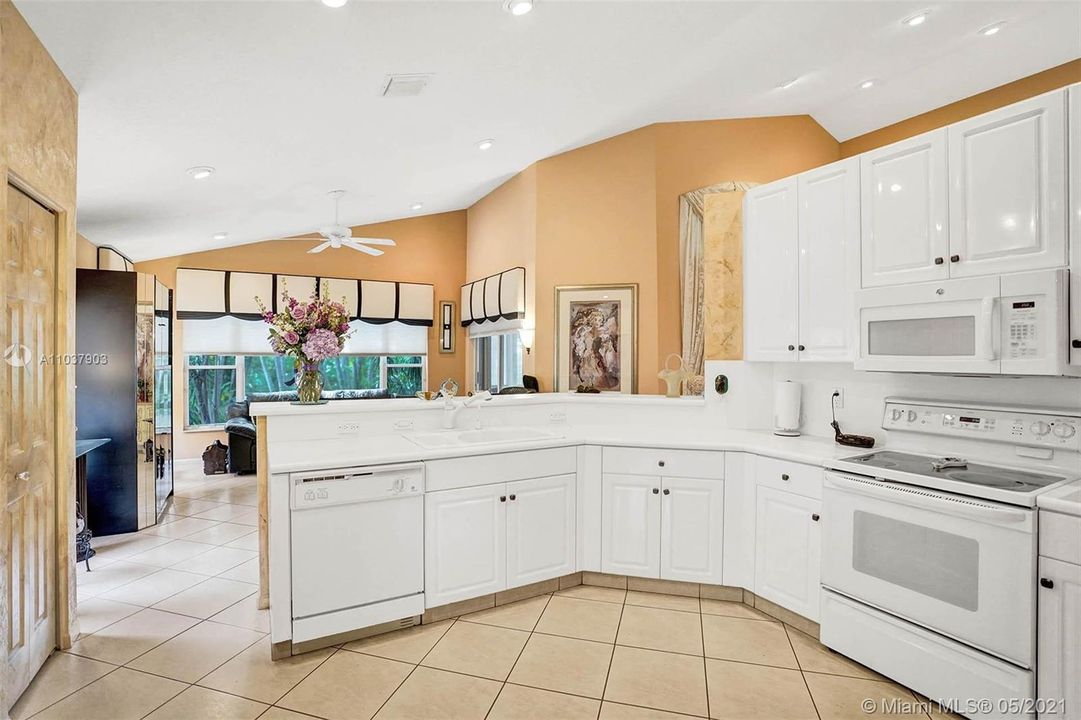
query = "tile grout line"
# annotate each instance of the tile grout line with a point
(612, 657)
(453, 622)
(802, 674)
(705, 661)
(520, 652)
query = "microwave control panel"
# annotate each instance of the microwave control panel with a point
(1016, 427)
(1022, 330)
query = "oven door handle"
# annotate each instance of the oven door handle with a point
(927, 499)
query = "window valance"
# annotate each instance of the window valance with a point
(211, 294)
(496, 298)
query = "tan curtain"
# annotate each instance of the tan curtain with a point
(692, 273)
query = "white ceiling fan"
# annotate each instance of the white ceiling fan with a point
(338, 235)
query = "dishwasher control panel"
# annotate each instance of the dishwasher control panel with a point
(337, 487)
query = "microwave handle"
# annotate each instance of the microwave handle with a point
(987, 310)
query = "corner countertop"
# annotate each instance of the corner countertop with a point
(339, 452)
(1065, 499)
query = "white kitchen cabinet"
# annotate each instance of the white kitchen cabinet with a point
(465, 543)
(1074, 114)
(540, 529)
(631, 525)
(692, 529)
(1008, 189)
(829, 261)
(903, 211)
(788, 543)
(1058, 667)
(770, 272)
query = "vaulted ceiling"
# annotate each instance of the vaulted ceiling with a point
(284, 99)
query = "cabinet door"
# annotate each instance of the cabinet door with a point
(631, 525)
(692, 529)
(465, 543)
(787, 550)
(1075, 225)
(903, 201)
(1008, 189)
(829, 261)
(540, 529)
(770, 272)
(1058, 667)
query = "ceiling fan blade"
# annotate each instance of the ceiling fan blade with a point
(319, 248)
(374, 241)
(362, 248)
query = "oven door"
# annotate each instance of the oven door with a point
(942, 327)
(959, 566)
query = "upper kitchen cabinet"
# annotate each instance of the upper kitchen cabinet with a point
(829, 261)
(904, 211)
(801, 266)
(1008, 189)
(770, 272)
(1075, 224)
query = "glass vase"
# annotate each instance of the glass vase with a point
(309, 384)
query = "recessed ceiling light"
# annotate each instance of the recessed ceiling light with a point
(787, 83)
(917, 19)
(518, 7)
(335, 3)
(485, 144)
(867, 84)
(200, 172)
(416, 206)
(220, 235)
(991, 29)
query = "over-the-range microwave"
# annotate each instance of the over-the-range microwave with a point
(1014, 324)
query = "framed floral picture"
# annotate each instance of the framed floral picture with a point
(596, 329)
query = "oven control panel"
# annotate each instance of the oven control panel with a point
(1013, 426)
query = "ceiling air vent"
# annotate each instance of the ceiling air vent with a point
(407, 85)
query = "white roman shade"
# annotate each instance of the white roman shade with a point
(210, 294)
(494, 304)
(228, 335)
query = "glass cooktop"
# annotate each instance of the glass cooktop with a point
(957, 470)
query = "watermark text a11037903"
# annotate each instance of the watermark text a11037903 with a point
(20, 356)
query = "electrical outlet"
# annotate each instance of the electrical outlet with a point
(557, 417)
(838, 398)
(403, 424)
(348, 427)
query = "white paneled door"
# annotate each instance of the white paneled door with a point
(1008, 189)
(829, 261)
(465, 544)
(1058, 668)
(631, 525)
(788, 542)
(770, 272)
(903, 210)
(540, 529)
(28, 443)
(692, 529)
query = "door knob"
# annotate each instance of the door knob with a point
(801, 348)
(660, 463)
(955, 258)
(939, 261)
(513, 497)
(1076, 343)
(1047, 583)
(784, 476)
(655, 491)
(667, 491)
(791, 347)
(502, 498)
(814, 516)
(23, 476)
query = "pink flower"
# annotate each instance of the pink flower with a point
(320, 345)
(298, 310)
(343, 328)
(291, 338)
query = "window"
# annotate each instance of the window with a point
(213, 380)
(498, 361)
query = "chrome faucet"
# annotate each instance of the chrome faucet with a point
(451, 408)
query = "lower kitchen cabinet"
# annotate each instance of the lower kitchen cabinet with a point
(541, 529)
(788, 547)
(1058, 667)
(481, 540)
(662, 527)
(465, 547)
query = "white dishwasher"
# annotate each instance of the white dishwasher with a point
(357, 540)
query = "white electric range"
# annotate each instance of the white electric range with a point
(929, 557)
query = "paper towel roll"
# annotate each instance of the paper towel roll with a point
(786, 408)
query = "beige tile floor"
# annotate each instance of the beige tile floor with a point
(171, 630)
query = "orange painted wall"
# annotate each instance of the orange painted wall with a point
(1026, 87)
(431, 249)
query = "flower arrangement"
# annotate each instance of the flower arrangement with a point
(309, 332)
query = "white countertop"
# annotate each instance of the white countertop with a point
(343, 452)
(1065, 499)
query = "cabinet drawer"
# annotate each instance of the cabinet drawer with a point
(791, 477)
(673, 463)
(1060, 537)
(499, 467)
